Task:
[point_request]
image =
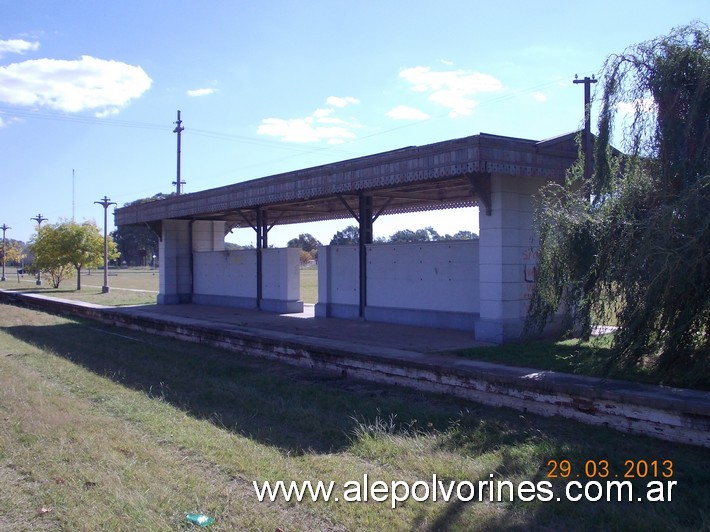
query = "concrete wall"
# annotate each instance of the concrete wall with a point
(281, 290)
(196, 268)
(338, 282)
(229, 278)
(482, 286)
(433, 283)
(226, 278)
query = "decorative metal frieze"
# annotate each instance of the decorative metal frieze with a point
(433, 171)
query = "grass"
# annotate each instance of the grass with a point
(309, 285)
(109, 429)
(592, 358)
(139, 286)
(132, 286)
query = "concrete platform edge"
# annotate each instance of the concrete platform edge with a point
(670, 414)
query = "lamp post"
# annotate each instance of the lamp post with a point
(105, 202)
(39, 219)
(4, 228)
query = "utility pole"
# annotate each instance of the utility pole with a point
(587, 138)
(178, 129)
(39, 219)
(4, 228)
(105, 202)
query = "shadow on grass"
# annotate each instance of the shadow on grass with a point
(301, 410)
(298, 410)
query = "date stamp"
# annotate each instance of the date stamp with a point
(600, 468)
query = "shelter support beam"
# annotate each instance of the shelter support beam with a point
(365, 238)
(262, 242)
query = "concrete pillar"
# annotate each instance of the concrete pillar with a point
(175, 263)
(507, 258)
(176, 248)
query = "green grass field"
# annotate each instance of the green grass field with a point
(105, 429)
(130, 286)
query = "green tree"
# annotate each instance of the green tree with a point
(636, 249)
(428, 234)
(306, 241)
(48, 256)
(138, 243)
(60, 247)
(349, 236)
(461, 235)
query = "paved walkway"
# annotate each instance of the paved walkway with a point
(349, 333)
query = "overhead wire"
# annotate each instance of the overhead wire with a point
(297, 151)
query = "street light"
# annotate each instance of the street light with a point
(4, 228)
(39, 219)
(105, 202)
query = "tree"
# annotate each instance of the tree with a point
(48, 256)
(14, 252)
(461, 235)
(636, 249)
(428, 234)
(350, 236)
(60, 247)
(306, 241)
(138, 242)
(84, 246)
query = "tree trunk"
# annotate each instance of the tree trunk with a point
(78, 277)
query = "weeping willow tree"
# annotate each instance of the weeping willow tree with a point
(631, 245)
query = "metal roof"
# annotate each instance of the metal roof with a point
(449, 174)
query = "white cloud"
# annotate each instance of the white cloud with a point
(453, 89)
(321, 125)
(201, 92)
(17, 46)
(539, 97)
(323, 113)
(306, 129)
(337, 101)
(404, 112)
(72, 85)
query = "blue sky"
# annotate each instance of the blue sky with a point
(92, 88)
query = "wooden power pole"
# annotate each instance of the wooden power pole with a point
(587, 136)
(178, 129)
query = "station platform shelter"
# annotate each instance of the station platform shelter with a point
(482, 286)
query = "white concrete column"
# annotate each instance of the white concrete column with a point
(507, 259)
(175, 263)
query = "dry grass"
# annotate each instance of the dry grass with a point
(110, 429)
